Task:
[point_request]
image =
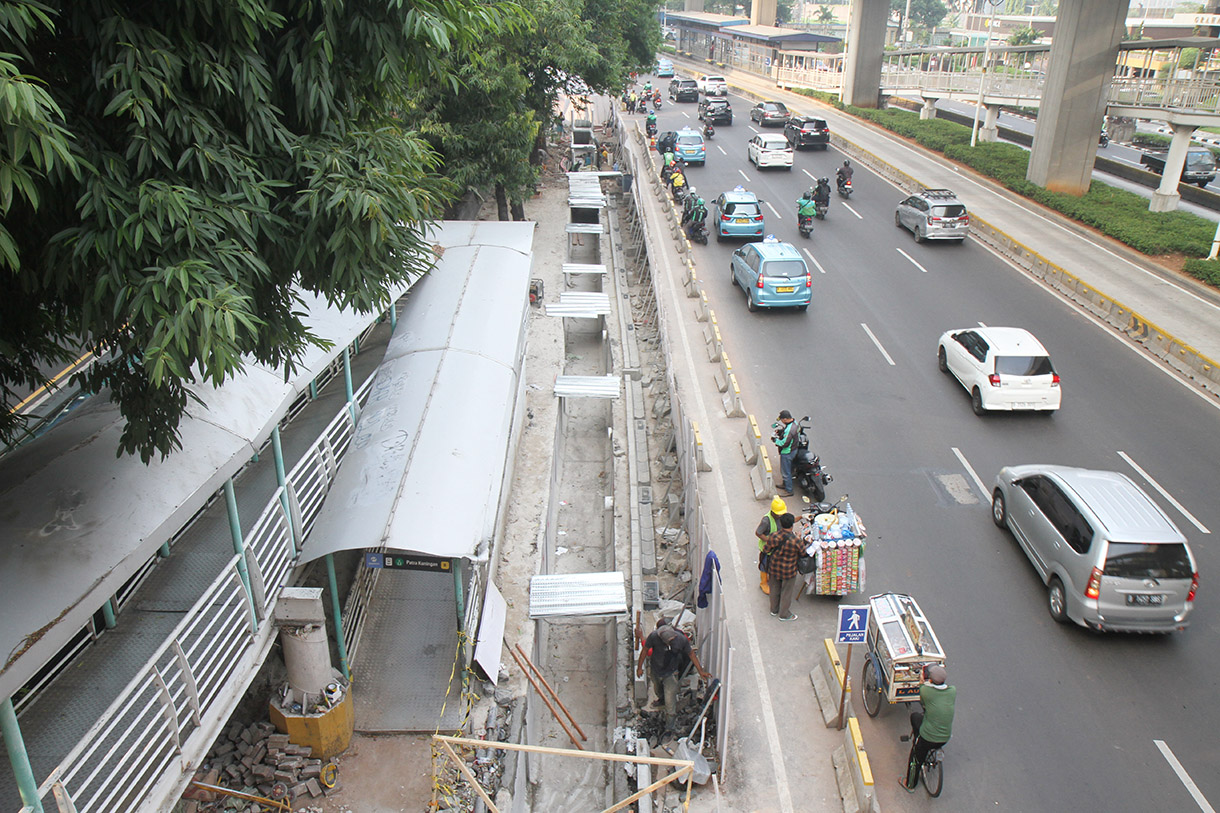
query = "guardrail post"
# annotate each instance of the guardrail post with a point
(340, 639)
(282, 480)
(239, 545)
(14, 743)
(347, 383)
(108, 614)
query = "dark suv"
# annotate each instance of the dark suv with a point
(769, 113)
(806, 131)
(716, 110)
(684, 90)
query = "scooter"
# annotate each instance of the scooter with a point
(650, 128)
(805, 224)
(807, 470)
(1104, 139)
(697, 231)
(821, 209)
(708, 130)
(845, 188)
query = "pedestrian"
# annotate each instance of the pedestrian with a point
(768, 526)
(631, 102)
(667, 651)
(932, 727)
(784, 432)
(783, 548)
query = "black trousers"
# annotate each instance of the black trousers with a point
(920, 749)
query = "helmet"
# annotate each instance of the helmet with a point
(937, 674)
(698, 201)
(847, 163)
(823, 180)
(778, 506)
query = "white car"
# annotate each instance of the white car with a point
(769, 150)
(1003, 368)
(713, 86)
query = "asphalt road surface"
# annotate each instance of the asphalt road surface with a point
(1049, 717)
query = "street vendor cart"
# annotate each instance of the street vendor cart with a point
(901, 643)
(833, 564)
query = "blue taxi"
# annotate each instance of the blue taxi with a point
(690, 145)
(738, 214)
(773, 275)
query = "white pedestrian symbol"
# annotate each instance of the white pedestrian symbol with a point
(854, 622)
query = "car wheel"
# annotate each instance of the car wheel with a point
(732, 276)
(999, 511)
(976, 402)
(751, 305)
(941, 361)
(919, 238)
(719, 236)
(959, 242)
(802, 308)
(1056, 600)
(898, 220)
(825, 147)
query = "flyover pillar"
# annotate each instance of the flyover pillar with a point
(762, 12)
(1083, 53)
(692, 5)
(865, 48)
(1166, 197)
(928, 111)
(990, 130)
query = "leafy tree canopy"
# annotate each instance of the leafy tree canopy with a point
(173, 171)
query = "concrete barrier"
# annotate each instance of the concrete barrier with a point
(827, 677)
(701, 463)
(722, 373)
(761, 478)
(691, 282)
(711, 337)
(860, 769)
(752, 441)
(733, 407)
(701, 310)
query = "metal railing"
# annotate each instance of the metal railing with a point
(154, 728)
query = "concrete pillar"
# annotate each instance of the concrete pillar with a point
(990, 130)
(762, 12)
(693, 5)
(865, 49)
(928, 111)
(1166, 197)
(1082, 59)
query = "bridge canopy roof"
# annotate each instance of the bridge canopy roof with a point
(705, 20)
(776, 37)
(1175, 42)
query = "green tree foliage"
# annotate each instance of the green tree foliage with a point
(173, 171)
(926, 15)
(1026, 35)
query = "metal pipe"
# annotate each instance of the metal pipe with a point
(550, 689)
(393, 316)
(340, 641)
(239, 546)
(547, 700)
(347, 382)
(18, 758)
(277, 452)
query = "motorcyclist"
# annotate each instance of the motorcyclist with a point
(647, 89)
(667, 158)
(650, 124)
(806, 208)
(821, 195)
(676, 183)
(708, 130)
(698, 214)
(843, 174)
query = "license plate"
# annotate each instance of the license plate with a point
(784, 289)
(1143, 600)
(741, 220)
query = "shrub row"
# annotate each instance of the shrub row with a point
(1115, 212)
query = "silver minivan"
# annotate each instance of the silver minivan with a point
(1110, 557)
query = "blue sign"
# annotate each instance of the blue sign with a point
(853, 624)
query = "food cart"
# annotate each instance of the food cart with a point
(901, 643)
(835, 540)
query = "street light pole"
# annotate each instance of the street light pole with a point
(974, 128)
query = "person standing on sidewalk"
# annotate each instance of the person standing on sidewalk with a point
(768, 526)
(785, 440)
(667, 650)
(783, 548)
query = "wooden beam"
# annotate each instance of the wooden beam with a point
(474, 783)
(565, 752)
(678, 774)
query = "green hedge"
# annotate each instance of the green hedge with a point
(1115, 212)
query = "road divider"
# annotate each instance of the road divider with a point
(711, 337)
(700, 461)
(751, 441)
(722, 373)
(853, 771)
(732, 399)
(761, 477)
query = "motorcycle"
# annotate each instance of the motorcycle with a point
(845, 188)
(807, 469)
(650, 128)
(697, 232)
(1104, 139)
(822, 209)
(805, 224)
(708, 130)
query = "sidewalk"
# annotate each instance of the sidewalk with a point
(1157, 296)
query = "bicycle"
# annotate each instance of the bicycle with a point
(932, 769)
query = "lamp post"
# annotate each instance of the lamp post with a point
(974, 128)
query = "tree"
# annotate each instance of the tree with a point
(925, 15)
(1026, 35)
(176, 171)
(826, 16)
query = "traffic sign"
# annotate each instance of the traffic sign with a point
(853, 624)
(404, 561)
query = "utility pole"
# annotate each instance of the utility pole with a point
(974, 128)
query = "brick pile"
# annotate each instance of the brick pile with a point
(254, 759)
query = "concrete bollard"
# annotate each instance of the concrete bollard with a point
(752, 441)
(761, 478)
(860, 768)
(691, 282)
(722, 373)
(701, 463)
(701, 311)
(711, 337)
(732, 399)
(827, 677)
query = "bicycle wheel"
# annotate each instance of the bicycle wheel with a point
(872, 692)
(933, 772)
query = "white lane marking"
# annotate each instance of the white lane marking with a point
(879, 347)
(752, 130)
(909, 257)
(722, 152)
(1164, 493)
(978, 482)
(809, 174)
(685, 114)
(772, 208)
(982, 324)
(1191, 787)
(858, 215)
(813, 260)
(747, 177)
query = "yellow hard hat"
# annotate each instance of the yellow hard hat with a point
(778, 506)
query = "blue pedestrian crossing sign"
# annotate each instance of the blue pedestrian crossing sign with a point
(853, 623)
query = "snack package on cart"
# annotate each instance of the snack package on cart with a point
(836, 542)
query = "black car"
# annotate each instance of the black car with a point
(716, 110)
(666, 141)
(684, 90)
(807, 131)
(769, 113)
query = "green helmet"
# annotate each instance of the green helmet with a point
(698, 201)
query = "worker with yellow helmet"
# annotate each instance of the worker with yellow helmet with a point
(768, 526)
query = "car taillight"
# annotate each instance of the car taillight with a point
(1054, 379)
(1093, 588)
(725, 217)
(760, 282)
(994, 379)
(1194, 585)
(964, 220)
(758, 218)
(932, 220)
(808, 280)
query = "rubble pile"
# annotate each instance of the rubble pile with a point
(256, 759)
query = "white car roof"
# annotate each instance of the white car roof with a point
(771, 138)
(1009, 341)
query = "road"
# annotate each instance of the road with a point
(1049, 717)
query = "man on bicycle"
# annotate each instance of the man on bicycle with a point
(930, 728)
